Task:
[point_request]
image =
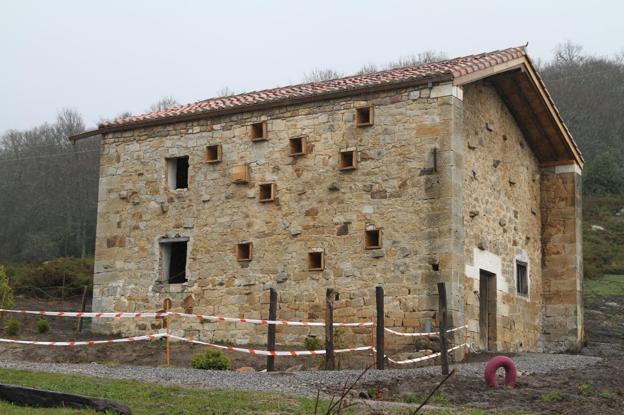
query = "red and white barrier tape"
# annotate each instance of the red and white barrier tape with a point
(184, 315)
(398, 333)
(90, 314)
(293, 353)
(87, 342)
(457, 328)
(276, 322)
(423, 358)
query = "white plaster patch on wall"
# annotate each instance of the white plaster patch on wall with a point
(458, 92)
(489, 262)
(484, 260)
(442, 90)
(447, 89)
(568, 168)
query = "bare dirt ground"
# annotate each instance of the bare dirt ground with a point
(594, 389)
(597, 388)
(144, 353)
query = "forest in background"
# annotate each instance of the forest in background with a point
(49, 185)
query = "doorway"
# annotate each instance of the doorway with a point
(487, 310)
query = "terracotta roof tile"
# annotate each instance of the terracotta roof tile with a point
(452, 68)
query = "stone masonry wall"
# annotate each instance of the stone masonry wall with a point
(562, 261)
(501, 217)
(317, 207)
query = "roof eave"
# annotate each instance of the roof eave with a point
(525, 65)
(263, 106)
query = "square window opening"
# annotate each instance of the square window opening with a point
(174, 261)
(372, 239)
(266, 192)
(297, 146)
(214, 153)
(244, 251)
(316, 261)
(522, 278)
(258, 131)
(363, 116)
(348, 160)
(177, 172)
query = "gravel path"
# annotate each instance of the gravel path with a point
(298, 383)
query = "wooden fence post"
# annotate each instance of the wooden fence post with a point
(442, 328)
(379, 298)
(167, 306)
(83, 306)
(272, 328)
(329, 329)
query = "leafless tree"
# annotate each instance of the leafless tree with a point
(163, 104)
(428, 56)
(319, 74)
(568, 53)
(53, 191)
(368, 68)
(226, 91)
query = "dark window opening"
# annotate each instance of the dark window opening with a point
(348, 160)
(316, 261)
(174, 261)
(364, 116)
(297, 146)
(177, 172)
(372, 239)
(213, 153)
(258, 131)
(243, 251)
(266, 192)
(522, 280)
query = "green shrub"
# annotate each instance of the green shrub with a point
(6, 294)
(12, 327)
(312, 343)
(47, 277)
(210, 359)
(43, 326)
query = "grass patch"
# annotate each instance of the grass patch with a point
(603, 251)
(148, 399)
(607, 286)
(552, 396)
(434, 400)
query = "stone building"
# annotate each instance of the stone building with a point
(460, 171)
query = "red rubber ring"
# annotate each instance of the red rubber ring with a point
(510, 371)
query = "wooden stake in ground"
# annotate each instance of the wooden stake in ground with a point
(329, 329)
(442, 328)
(379, 297)
(271, 333)
(83, 306)
(167, 306)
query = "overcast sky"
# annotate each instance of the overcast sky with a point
(102, 58)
